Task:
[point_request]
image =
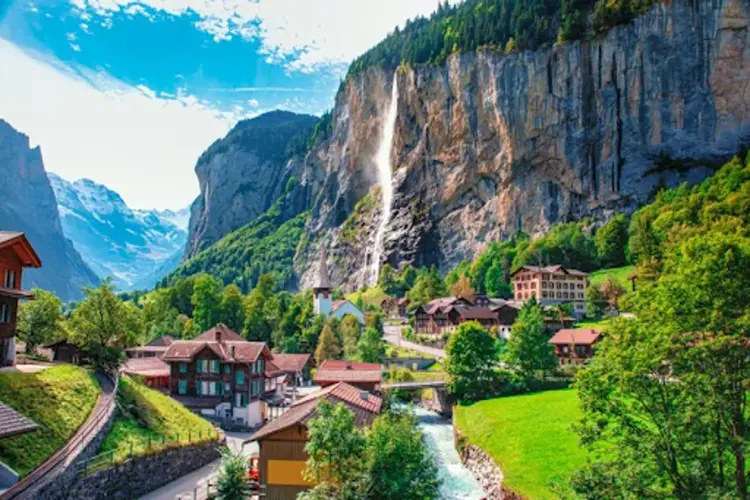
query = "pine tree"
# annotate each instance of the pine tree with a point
(328, 346)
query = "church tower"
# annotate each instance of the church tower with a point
(322, 291)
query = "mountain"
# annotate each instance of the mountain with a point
(131, 246)
(488, 142)
(27, 203)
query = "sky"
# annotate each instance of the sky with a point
(130, 93)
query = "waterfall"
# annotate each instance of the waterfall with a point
(385, 170)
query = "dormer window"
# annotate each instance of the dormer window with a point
(9, 279)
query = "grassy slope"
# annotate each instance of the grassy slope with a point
(152, 415)
(372, 296)
(618, 273)
(59, 399)
(529, 436)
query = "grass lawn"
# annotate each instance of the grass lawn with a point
(146, 416)
(372, 296)
(59, 399)
(393, 351)
(529, 436)
(619, 273)
(602, 324)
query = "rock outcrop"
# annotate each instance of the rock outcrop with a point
(490, 144)
(28, 204)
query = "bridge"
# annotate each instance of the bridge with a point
(439, 394)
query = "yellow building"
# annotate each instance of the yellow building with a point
(551, 285)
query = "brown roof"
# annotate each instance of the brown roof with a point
(228, 350)
(304, 410)
(403, 300)
(272, 370)
(220, 330)
(347, 371)
(13, 423)
(575, 336)
(549, 269)
(476, 312)
(163, 341)
(21, 246)
(146, 367)
(291, 362)
(148, 348)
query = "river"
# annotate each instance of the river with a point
(458, 482)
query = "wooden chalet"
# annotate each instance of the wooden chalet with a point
(155, 348)
(16, 253)
(66, 352)
(447, 313)
(282, 441)
(366, 376)
(575, 345)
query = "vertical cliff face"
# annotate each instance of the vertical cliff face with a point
(27, 203)
(490, 144)
(242, 174)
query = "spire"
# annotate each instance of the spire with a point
(323, 281)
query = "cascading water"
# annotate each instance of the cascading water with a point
(385, 180)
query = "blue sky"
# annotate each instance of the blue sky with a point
(130, 93)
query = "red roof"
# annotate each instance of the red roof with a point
(347, 371)
(575, 336)
(164, 340)
(231, 347)
(291, 362)
(549, 269)
(146, 367)
(363, 405)
(22, 248)
(342, 364)
(272, 370)
(220, 332)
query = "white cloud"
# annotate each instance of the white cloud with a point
(303, 34)
(142, 145)
(253, 103)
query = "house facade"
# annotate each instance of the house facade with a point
(574, 346)
(551, 285)
(16, 253)
(220, 372)
(445, 314)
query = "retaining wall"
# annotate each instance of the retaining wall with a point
(485, 469)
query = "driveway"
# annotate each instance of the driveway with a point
(392, 335)
(194, 485)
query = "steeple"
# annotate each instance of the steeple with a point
(322, 291)
(324, 283)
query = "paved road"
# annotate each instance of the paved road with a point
(392, 335)
(194, 485)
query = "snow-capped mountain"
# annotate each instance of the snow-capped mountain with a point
(131, 246)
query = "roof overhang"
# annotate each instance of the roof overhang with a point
(23, 250)
(15, 294)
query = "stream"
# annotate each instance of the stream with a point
(458, 483)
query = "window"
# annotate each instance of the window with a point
(544, 295)
(215, 366)
(227, 369)
(182, 387)
(239, 377)
(183, 367)
(198, 388)
(218, 388)
(4, 314)
(10, 279)
(199, 366)
(240, 400)
(206, 388)
(227, 388)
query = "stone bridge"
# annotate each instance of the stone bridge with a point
(439, 394)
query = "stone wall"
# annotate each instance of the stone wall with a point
(485, 469)
(141, 475)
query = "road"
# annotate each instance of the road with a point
(193, 485)
(392, 335)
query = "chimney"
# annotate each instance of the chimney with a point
(231, 350)
(364, 395)
(348, 365)
(218, 335)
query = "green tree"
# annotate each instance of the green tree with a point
(471, 361)
(328, 346)
(428, 285)
(399, 464)
(612, 242)
(667, 391)
(595, 301)
(612, 291)
(40, 320)
(528, 348)
(258, 326)
(370, 347)
(388, 280)
(350, 331)
(206, 301)
(233, 308)
(232, 482)
(335, 447)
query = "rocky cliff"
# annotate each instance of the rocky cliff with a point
(488, 144)
(27, 203)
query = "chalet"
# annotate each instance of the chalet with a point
(393, 307)
(66, 352)
(575, 345)
(297, 368)
(446, 313)
(16, 253)
(155, 348)
(322, 299)
(220, 372)
(275, 382)
(367, 376)
(507, 313)
(551, 285)
(151, 370)
(282, 441)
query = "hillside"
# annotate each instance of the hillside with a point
(28, 204)
(128, 245)
(488, 144)
(59, 399)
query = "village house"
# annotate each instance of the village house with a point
(551, 285)
(322, 299)
(155, 348)
(296, 367)
(220, 373)
(16, 253)
(66, 352)
(394, 307)
(282, 441)
(575, 345)
(445, 314)
(366, 376)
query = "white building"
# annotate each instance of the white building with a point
(323, 302)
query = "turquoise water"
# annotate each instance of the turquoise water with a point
(458, 482)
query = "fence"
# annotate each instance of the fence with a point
(151, 446)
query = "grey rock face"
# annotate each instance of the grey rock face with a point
(487, 144)
(27, 204)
